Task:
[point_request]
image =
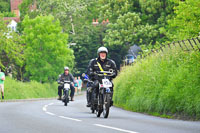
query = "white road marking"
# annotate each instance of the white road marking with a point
(50, 104)
(50, 113)
(99, 125)
(69, 118)
(45, 110)
(123, 130)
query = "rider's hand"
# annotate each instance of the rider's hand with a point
(97, 72)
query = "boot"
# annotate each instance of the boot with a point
(111, 103)
(2, 97)
(88, 105)
(72, 98)
(59, 98)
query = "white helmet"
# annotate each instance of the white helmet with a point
(102, 49)
(66, 68)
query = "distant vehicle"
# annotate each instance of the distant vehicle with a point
(129, 59)
(133, 52)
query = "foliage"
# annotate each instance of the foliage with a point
(46, 50)
(4, 5)
(165, 83)
(24, 9)
(26, 90)
(127, 31)
(87, 42)
(153, 11)
(65, 11)
(11, 49)
(186, 23)
(112, 9)
(8, 14)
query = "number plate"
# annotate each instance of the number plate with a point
(106, 83)
(67, 86)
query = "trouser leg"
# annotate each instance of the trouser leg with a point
(96, 87)
(60, 91)
(72, 91)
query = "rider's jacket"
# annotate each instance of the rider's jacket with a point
(68, 77)
(106, 66)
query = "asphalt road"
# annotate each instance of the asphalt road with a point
(51, 116)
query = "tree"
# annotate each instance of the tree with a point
(87, 40)
(4, 5)
(112, 9)
(11, 50)
(63, 10)
(46, 50)
(186, 23)
(127, 31)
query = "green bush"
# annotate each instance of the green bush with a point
(19, 90)
(165, 83)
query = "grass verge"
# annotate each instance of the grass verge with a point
(165, 84)
(25, 90)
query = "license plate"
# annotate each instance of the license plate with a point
(67, 86)
(106, 83)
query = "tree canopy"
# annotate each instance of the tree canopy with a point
(141, 22)
(11, 49)
(47, 51)
(186, 23)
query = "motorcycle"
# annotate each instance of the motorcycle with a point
(90, 95)
(66, 88)
(105, 94)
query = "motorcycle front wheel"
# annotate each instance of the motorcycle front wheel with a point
(106, 105)
(66, 98)
(100, 105)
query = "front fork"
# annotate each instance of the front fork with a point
(102, 94)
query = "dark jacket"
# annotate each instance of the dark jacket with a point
(106, 65)
(68, 77)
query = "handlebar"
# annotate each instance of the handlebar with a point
(102, 73)
(65, 81)
(88, 80)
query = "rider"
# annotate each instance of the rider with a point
(69, 77)
(102, 63)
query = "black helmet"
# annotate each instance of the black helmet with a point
(66, 68)
(102, 49)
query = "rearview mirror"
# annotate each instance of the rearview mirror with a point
(83, 75)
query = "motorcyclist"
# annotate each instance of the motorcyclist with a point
(99, 64)
(69, 77)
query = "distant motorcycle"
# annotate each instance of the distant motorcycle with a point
(66, 88)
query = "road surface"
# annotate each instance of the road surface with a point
(51, 116)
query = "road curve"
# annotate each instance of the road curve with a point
(52, 116)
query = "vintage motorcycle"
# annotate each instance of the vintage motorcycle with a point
(66, 88)
(105, 94)
(91, 95)
(102, 101)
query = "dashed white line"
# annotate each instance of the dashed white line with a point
(99, 125)
(50, 113)
(69, 118)
(50, 104)
(114, 128)
(44, 108)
